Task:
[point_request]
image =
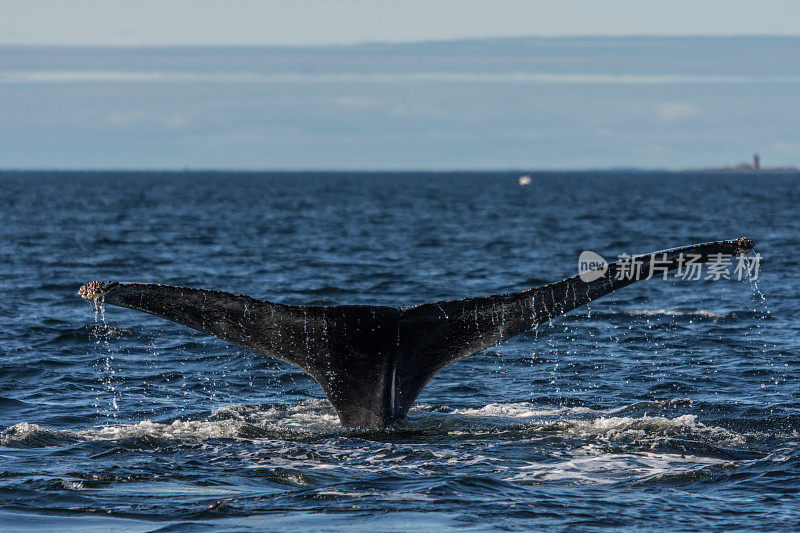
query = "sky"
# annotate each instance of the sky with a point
(319, 22)
(398, 85)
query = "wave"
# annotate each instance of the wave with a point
(230, 422)
(550, 444)
(531, 410)
(88, 334)
(703, 313)
(586, 423)
(595, 465)
(315, 418)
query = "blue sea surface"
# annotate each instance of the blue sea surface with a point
(666, 405)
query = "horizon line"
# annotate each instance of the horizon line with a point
(356, 44)
(522, 170)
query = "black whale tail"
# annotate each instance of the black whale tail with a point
(373, 361)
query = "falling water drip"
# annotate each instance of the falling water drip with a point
(101, 332)
(574, 296)
(765, 312)
(305, 332)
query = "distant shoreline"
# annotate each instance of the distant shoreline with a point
(510, 171)
(735, 170)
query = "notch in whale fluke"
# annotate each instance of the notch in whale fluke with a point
(373, 361)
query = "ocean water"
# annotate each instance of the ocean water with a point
(666, 405)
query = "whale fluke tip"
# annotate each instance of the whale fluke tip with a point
(95, 289)
(744, 245)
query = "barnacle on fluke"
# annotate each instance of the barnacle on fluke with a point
(744, 245)
(94, 289)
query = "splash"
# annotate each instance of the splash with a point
(240, 422)
(105, 366)
(316, 418)
(762, 308)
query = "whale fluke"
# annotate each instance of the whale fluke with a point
(373, 361)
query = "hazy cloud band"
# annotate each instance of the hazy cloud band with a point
(110, 76)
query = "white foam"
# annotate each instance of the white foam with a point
(317, 418)
(25, 431)
(598, 447)
(375, 495)
(619, 426)
(669, 312)
(590, 464)
(230, 422)
(179, 430)
(580, 422)
(520, 410)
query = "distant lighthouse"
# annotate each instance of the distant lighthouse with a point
(756, 161)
